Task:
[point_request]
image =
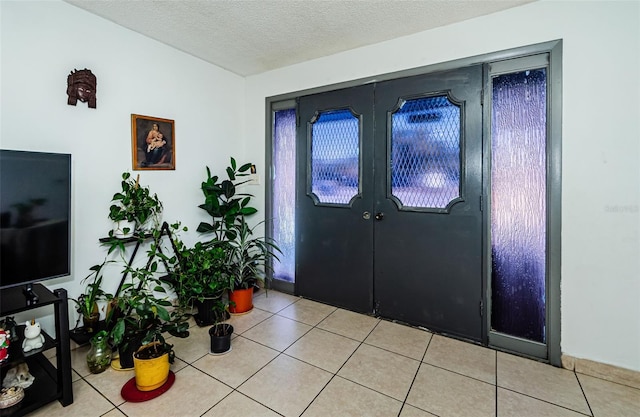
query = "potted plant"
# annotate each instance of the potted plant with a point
(133, 207)
(151, 364)
(141, 317)
(223, 203)
(248, 260)
(87, 302)
(200, 280)
(220, 333)
(247, 257)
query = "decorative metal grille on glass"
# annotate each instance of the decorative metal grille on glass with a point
(518, 204)
(425, 152)
(284, 193)
(335, 151)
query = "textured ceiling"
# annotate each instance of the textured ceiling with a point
(252, 36)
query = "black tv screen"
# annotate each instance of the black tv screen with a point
(35, 213)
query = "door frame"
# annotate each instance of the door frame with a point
(554, 178)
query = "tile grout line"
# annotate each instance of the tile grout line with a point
(495, 352)
(115, 406)
(421, 361)
(235, 389)
(546, 402)
(232, 388)
(335, 374)
(537, 398)
(584, 394)
(261, 368)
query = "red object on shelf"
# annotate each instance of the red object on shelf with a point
(132, 394)
(4, 345)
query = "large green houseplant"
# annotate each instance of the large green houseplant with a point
(247, 256)
(224, 203)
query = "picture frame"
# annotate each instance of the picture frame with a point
(153, 145)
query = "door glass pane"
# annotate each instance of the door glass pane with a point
(284, 192)
(335, 150)
(518, 204)
(425, 152)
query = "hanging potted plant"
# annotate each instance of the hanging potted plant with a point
(133, 207)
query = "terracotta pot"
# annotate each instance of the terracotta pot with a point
(151, 373)
(240, 301)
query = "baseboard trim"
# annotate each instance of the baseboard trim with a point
(602, 370)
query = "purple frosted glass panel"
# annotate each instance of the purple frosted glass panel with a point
(335, 150)
(284, 192)
(425, 152)
(518, 204)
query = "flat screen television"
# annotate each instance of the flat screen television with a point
(35, 214)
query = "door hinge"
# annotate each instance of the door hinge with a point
(481, 308)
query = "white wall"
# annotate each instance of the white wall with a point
(600, 299)
(42, 42)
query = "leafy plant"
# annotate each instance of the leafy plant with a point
(86, 303)
(248, 256)
(142, 316)
(197, 274)
(201, 272)
(134, 203)
(223, 203)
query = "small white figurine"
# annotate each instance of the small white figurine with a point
(32, 337)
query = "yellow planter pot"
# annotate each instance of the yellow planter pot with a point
(151, 373)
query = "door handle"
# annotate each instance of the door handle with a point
(366, 215)
(379, 216)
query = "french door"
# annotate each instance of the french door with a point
(388, 206)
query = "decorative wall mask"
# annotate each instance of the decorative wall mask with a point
(81, 85)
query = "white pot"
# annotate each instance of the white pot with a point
(120, 226)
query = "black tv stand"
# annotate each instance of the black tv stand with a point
(51, 382)
(31, 298)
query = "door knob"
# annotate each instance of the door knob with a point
(366, 215)
(379, 216)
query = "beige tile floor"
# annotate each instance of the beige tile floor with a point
(295, 357)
